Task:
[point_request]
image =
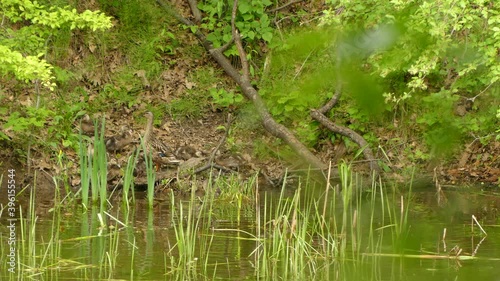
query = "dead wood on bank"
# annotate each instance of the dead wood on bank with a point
(319, 115)
(243, 80)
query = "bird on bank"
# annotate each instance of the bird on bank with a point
(87, 126)
(187, 152)
(121, 140)
(162, 153)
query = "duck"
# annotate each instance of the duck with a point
(121, 140)
(87, 125)
(162, 153)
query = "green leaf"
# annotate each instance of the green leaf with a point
(267, 36)
(244, 7)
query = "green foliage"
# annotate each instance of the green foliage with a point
(113, 96)
(301, 77)
(35, 118)
(459, 50)
(50, 128)
(224, 98)
(422, 57)
(251, 20)
(189, 107)
(136, 18)
(53, 17)
(44, 22)
(25, 68)
(143, 33)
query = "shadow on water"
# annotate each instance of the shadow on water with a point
(287, 234)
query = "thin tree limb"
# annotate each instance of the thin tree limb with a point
(224, 47)
(239, 45)
(333, 101)
(222, 140)
(346, 132)
(194, 9)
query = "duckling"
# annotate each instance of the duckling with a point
(186, 152)
(232, 162)
(162, 153)
(114, 171)
(120, 141)
(87, 125)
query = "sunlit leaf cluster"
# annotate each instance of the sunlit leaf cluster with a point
(22, 47)
(251, 20)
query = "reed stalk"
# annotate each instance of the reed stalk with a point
(150, 173)
(98, 166)
(128, 179)
(84, 170)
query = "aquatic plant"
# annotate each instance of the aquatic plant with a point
(150, 172)
(301, 236)
(128, 178)
(187, 227)
(84, 170)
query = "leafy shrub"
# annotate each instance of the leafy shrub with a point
(252, 22)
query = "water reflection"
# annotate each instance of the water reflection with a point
(145, 244)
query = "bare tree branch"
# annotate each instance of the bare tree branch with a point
(251, 93)
(333, 101)
(194, 9)
(346, 132)
(239, 45)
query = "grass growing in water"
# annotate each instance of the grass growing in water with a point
(303, 239)
(191, 249)
(84, 170)
(128, 178)
(94, 167)
(303, 236)
(150, 173)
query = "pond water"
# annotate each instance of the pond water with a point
(386, 236)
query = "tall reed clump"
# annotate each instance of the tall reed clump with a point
(150, 173)
(287, 238)
(99, 167)
(84, 170)
(306, 236)
(191, 250)
(397, 207)
(94, 167)
(352, 206)
(128, 178)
